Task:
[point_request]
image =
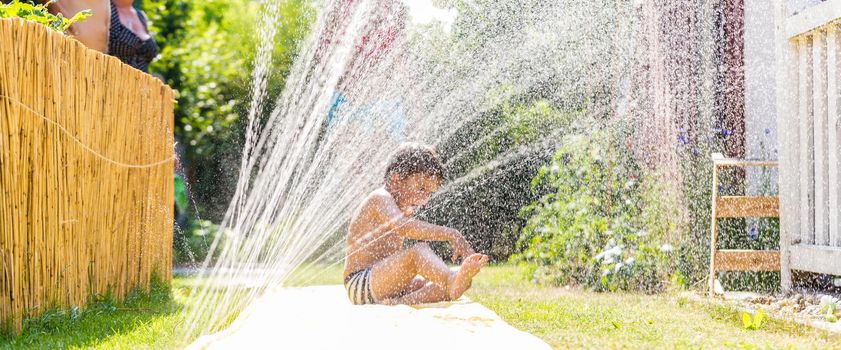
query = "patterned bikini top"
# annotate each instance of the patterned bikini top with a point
(127, 46)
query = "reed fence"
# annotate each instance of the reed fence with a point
(86, 166)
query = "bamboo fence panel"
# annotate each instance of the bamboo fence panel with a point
(86, 164)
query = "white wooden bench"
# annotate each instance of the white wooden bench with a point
(740, 207)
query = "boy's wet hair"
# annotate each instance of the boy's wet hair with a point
(414, 158)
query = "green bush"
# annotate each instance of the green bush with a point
(207, 53)
(601, 223)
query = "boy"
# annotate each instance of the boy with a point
(378, 270)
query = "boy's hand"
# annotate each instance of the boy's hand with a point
(461, 247)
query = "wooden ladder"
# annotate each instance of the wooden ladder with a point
(740, 207)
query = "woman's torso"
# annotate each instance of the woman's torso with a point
(136, 50)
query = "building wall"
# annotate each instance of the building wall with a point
(795, 6)
(760, 110)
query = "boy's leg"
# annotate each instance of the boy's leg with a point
(430, 293)
(393, 275)
(416, 284)
(433, 293)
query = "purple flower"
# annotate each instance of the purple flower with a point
(723, 132)
(767, 131)
(753, 232)
(681, 137)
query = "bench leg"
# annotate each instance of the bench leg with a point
(713, 231)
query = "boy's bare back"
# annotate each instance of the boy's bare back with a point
(369, 239)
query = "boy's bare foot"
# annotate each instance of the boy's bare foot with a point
(461, 280)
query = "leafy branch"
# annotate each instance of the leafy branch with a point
(40, 14)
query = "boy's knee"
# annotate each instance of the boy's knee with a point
(418, 251)
(422, 247)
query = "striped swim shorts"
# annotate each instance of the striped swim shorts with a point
(358, 287)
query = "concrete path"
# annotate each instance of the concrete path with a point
(321, 317)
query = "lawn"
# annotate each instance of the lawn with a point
(565, 318)
(570, 318)
(142, 321)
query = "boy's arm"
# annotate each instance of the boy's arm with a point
(393, 218)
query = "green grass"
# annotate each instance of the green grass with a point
(563, 318)
(580, 319)
(142, 321)
(315, 275)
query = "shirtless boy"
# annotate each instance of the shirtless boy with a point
(378, 269)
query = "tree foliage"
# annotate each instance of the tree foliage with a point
(207, 52)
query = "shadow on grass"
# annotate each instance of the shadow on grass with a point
(99, 320)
